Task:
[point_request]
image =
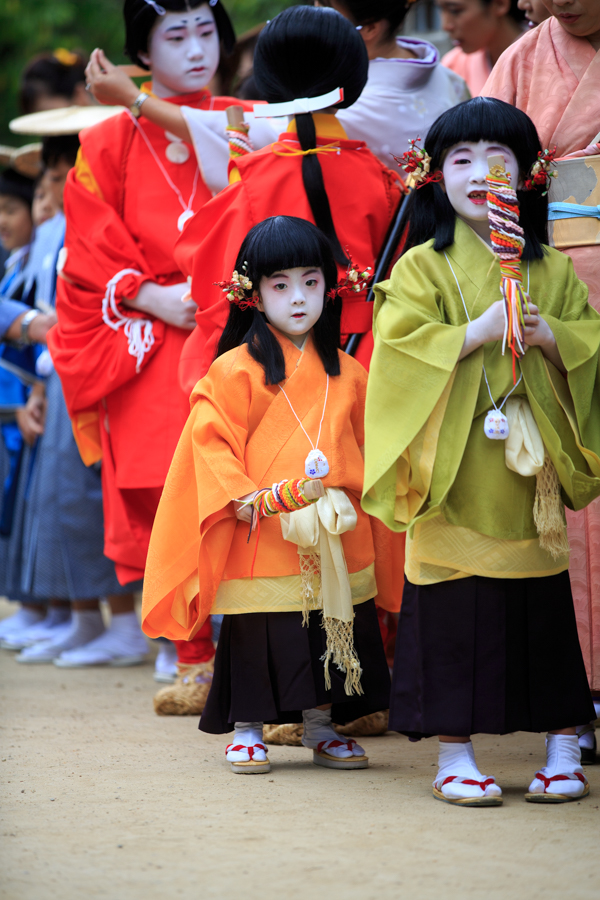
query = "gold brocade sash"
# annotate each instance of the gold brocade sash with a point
(316, 530)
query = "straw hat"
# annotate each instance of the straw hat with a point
(26, 160)
(64, 120)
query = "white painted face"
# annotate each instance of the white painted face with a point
(465, 168)
(183, 51)
(292, 300)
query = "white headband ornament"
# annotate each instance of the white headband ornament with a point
(158, 9)
(297, 107)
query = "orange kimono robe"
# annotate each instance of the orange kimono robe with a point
(118, 367)
(241, 436)
(555, 78)
(363, 195)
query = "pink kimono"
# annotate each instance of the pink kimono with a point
(555, 78)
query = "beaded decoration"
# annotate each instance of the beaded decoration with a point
(239, 290)
(354, 282)
(239, 140)
(508, 240)
(541, 173)
(417, 163)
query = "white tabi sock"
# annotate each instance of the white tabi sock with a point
(247, 734)
(585, 736)
(457, 761)
(24, 618)
(563, 757)
(318, 728)
(85, 626)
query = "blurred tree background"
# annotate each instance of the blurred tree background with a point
(29, 27)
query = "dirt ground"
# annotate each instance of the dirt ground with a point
(101, 798)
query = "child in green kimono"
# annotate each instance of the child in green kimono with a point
(487, 639)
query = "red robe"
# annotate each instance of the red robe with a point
(128, 409)
(363, 195)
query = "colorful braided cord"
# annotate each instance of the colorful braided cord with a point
(286, 496)
(508, 240)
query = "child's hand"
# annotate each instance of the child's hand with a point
(488, 327)
(537, 332)
(244, 512)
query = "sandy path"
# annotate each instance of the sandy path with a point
(104, 799)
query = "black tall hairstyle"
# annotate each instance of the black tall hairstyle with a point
(283, 242)
(364, 12)
(48, 76)
(140, 18)
(479, 119)
(305, 52)
(13, 184)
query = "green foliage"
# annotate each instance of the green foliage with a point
(29, 27)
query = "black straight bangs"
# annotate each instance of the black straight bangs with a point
(278, 243)
(484, 119)
(286, 242)
(481, 119)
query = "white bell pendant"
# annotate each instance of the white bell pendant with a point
(316, 465)
(183, 218)
(496, 425)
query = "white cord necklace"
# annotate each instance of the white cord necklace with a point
(315, 464)
(496, 424)
(187, 207)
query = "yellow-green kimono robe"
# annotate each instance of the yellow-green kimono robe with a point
(429, 468)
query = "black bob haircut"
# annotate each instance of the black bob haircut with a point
(283, 242)
(307, 51)
(366, 12)
(480, 119)
(140, 18)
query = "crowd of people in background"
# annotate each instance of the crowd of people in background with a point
(108, 226)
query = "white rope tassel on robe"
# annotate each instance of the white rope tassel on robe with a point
(139, 333)
(316, 530)
(525, 454)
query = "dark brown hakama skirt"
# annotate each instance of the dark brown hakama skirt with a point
(488, 655)
(268, 668)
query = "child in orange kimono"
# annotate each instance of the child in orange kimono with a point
(279, 389)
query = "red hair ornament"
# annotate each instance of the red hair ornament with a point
(354, 282)
(417, 163)
(238, 290)
(541, 173)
